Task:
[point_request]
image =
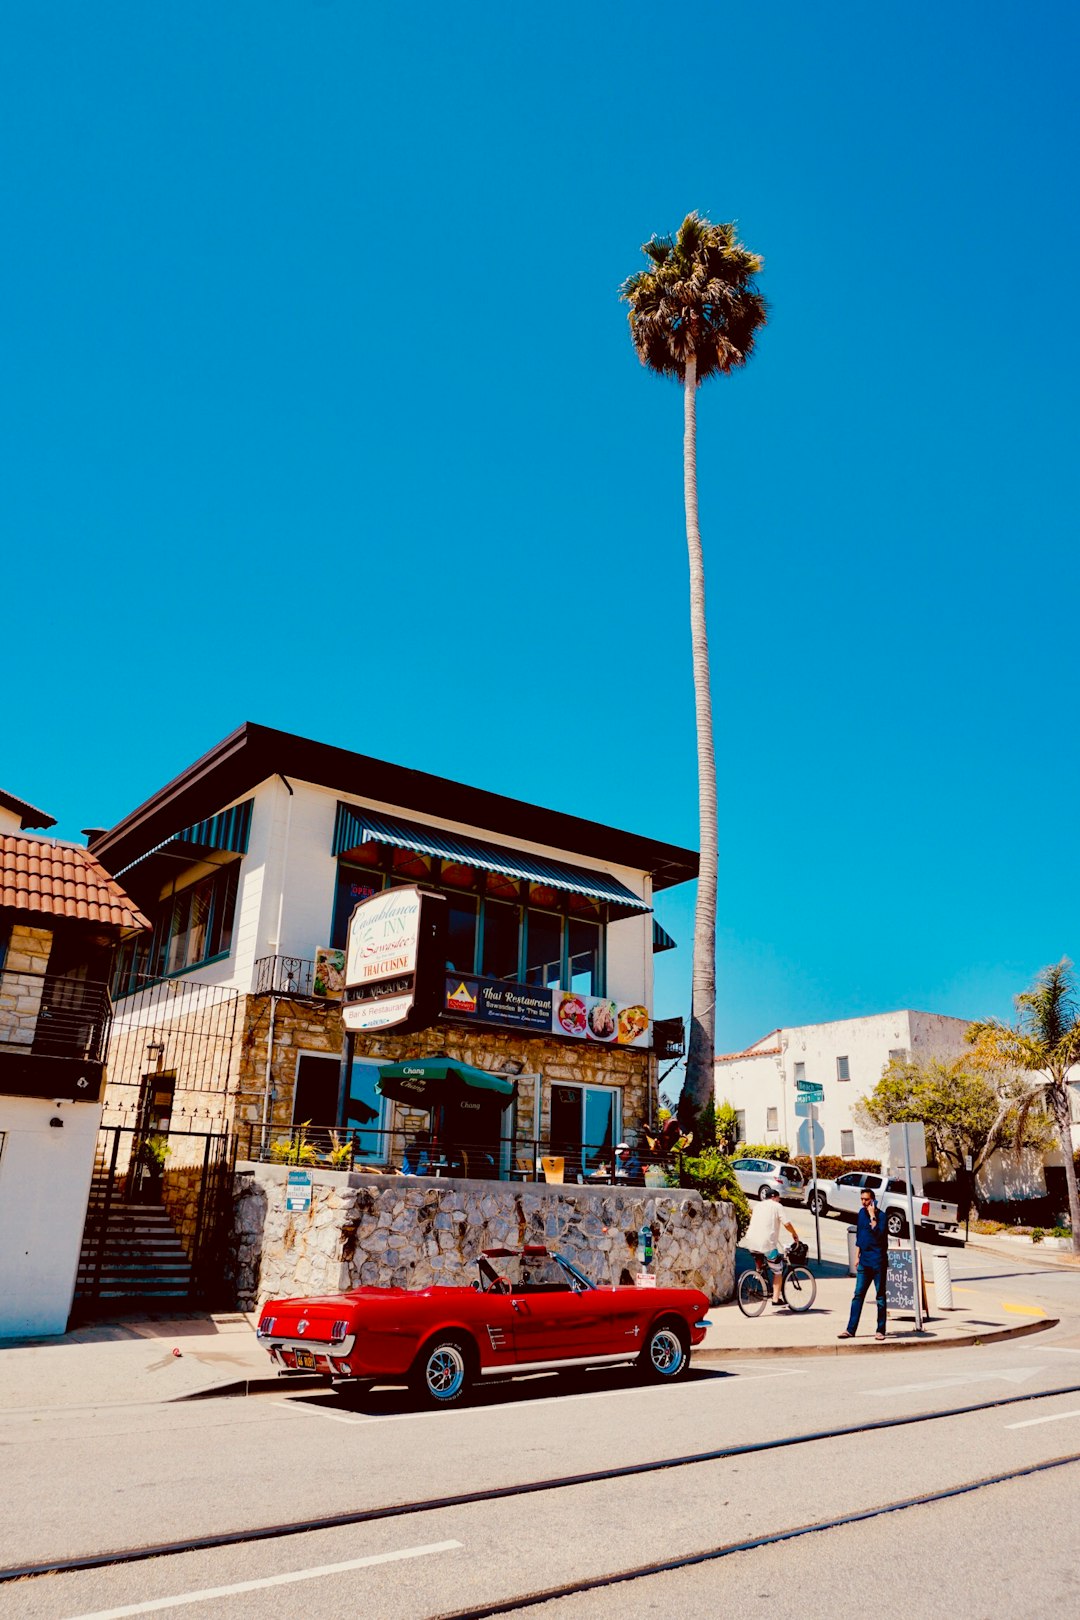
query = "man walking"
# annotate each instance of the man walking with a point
(871, 1242)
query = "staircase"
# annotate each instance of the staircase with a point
(142, 1257)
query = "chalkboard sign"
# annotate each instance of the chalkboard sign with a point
(900, 1281)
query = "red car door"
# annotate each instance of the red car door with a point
(557, 1325)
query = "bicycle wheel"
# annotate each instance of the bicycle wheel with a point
(753, 1293)
(800, 1288)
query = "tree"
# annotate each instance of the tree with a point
(1044, 1042)
(694, 314)
(968, 1108)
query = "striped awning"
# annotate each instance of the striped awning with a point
(355, 826)
(228, 830)
(661, 939)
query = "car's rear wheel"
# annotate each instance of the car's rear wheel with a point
(818, 1204)
(665, 1355)
(895, 1223)
(442, 1373)
(763, 1192)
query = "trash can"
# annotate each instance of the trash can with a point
(852, 1253)
(942, 1280)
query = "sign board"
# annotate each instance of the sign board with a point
(810, 1091)
(900, 1281)
(298, 1191)
(390, 961)
(596, 1018)
(506, 1005)
(916, 1136)
(328, 978)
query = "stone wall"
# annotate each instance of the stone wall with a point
(25, 963)
(407, 1232)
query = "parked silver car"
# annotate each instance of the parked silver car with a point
(756, 1175)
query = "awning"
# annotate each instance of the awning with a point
(429, 1081)
(661, 939)
(355, 826)
(228, 830)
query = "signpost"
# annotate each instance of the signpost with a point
(909, 1140)
(811, 1092)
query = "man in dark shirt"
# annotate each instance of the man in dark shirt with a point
(872, 1245)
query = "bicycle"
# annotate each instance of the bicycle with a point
(798, 1286)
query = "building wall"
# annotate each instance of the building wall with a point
(44, 1184)
(754, 1083)
(22, 984)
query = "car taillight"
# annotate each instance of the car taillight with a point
(338, 1332)
(926, 1207)
(266, 1326)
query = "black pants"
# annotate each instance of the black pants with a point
(864, 1277)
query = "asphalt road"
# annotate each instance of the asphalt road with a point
(83, 1481)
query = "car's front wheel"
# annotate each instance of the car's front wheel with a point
(441, 1376)
(818, 1204)
(666, 1353)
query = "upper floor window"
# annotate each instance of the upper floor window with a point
(843, 1070)
(847, 1144)
(772, 1119)
(192, 926)
(800, 1071)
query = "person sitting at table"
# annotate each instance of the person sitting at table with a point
(416, 1161)
(628, 1166)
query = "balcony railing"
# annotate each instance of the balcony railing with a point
(326, 1147)
(47, 1015)
(284, 976)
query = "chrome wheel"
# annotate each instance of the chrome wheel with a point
(666, 1355)
(442, 1376)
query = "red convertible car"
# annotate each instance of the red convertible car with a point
(529, 1310)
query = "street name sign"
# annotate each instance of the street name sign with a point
(810, 1090)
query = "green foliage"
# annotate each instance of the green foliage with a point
(764, 1150)
(698, 299)
(726, 1125)
(1037, 1234)
(339, 1154)
(710, 1173)
(153, 1151)
(705, 1127)
(296, 1149)
(831, 1165)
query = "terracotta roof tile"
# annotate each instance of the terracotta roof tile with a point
(62, 880)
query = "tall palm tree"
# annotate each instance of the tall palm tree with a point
(694, 314)
(1044, 1041)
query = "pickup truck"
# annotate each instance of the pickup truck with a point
(891, 1194)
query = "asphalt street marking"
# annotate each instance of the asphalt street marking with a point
(1015, 1375)
(1021, 1310)
(209, 1593)
(317, 1411)
(1055, 1417)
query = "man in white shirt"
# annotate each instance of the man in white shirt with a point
(763, 1237)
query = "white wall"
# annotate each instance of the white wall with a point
(45, 1176)
(756, 1083)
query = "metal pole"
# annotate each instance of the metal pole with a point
(813, 1181)
(344, 1076)
(970, 1195)
(911, 1234)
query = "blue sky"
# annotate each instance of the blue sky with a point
(319, 409)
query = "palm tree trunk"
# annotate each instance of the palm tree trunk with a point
(1059, 1102)
(699, 1084)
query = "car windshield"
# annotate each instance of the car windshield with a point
(531, 1273)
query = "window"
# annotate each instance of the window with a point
(740, 1125)
(843, 1071)
(543, 947)
(898, 1055)
(583, 950)
(353, 885)
(192, 926)
(847, 1144)
(500, 954)
(461, 933)
(584, 1122)
(800, 1071)
(772, 1119)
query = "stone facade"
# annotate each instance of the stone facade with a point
(22, 984)
(309, 1026)
(401, 1231)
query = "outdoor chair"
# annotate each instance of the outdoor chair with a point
(553, 1169)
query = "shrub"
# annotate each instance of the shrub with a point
(1061, 1232)
(711, 1175)
(830, 1165)
(763, 1150)
(1037, 1234)
(294, 1150)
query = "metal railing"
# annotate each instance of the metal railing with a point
(49, 1015)
(283, 976)
(327, 1147)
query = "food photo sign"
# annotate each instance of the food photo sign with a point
(598, 1018)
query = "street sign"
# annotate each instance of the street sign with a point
(916, 1144)
(810, 1090)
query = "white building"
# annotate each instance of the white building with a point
(845, 1057)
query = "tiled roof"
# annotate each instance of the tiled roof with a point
(751, 1051)
(61, 880)
(29, 814)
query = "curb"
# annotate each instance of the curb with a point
(1055, 1258)
(872, 1348)
(255, 1386)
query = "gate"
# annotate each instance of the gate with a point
(158, 1217)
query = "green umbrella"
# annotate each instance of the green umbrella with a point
(422, 1079)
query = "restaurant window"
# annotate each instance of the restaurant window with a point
(461, 933)
(543, 947)
(354, 884)
(583, 951)
(500, 953)
(584, 1126)
(191, 927)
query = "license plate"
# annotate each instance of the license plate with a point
(304, 1359)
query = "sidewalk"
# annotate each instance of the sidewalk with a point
(152, 1358)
